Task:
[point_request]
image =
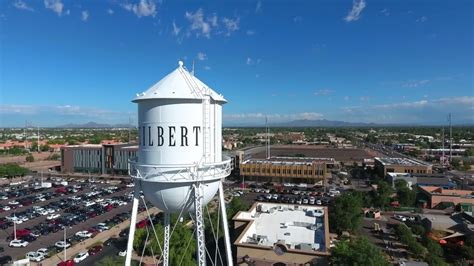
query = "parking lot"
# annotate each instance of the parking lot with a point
(287, 193)
(44, 212)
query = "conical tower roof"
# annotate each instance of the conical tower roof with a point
(179, 84)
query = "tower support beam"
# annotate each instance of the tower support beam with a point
(199, 220)
(166, 246)
(225, 226)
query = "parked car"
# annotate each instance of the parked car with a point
(17, 243)
(34, 256)
(84, 234)
(61, 244)
(81, 256)
(95, 250)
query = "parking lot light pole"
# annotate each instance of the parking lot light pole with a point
(133, 222)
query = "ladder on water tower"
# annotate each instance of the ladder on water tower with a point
(206, 102)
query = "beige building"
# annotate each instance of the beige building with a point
(401, 165)
(282, 234)
(287, 169)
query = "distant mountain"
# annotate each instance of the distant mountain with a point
(305, 123)
(93, 125)
(320, 123)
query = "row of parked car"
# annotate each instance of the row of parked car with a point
(312, 200)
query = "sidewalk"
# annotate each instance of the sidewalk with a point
(101, 237)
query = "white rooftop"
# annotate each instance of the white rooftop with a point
(179, 84)
(294, 227)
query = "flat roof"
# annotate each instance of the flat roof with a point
(433, 190)
(288, 160)
(298, 227)
(401, 161)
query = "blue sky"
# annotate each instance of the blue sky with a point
(361, 61)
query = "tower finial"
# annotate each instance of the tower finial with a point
(180, 63)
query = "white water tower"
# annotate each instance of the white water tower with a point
(180, 166)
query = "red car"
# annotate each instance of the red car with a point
(142, 223)
(95, 250)
(66, 263)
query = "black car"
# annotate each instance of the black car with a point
(5, 260)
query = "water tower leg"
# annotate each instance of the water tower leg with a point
(131, 233)
(225, 226)
(166, 245)
(201, 244)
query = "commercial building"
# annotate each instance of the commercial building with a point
(287, 169)
(437, 180)
(401, 165)
(282, 234)
(435, 196)
(97, 158)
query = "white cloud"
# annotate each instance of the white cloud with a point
(63, 110)
(249, 61)
(385, 12)
(298, 19)
(201, 56)
(110, 11)
(415, 83)
(250, 32)
(207, 67)
(231, 25)
(422, 19)
(420, 111)
(22, 5)
(56, 5)
(275, 117)
(176, 29)
(354, 14)
(213, 20)
(364, 98)
(323, 92)
(258, 8)
(346, 98)
(144, 8)
(84, 15)
(198, 24)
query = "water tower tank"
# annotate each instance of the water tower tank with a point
(180, 141)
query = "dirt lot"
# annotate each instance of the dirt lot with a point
(341, 155)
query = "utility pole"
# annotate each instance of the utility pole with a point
(443, 162)
(38, 142)
(450, 139)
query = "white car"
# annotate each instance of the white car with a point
(42, 212)
(85, 234)
(89, 203)
(122, 253)
(23, 218)
(121, 203)
(81, 256)
(99, 200)
(17, 243)
(102, 227)
(6, 208)
(43, 251)
(53, 216)
(3, 197)
(35, 256)
(400, 217)
(50, 210)
(62, 244)
(13, 202)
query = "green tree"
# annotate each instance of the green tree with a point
(405, 195)
(113, 261)
(12, 169)
(44, 147)
(357, 251)
(29, 158)
(345, 213)
(381, 197)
